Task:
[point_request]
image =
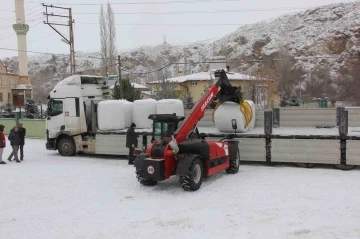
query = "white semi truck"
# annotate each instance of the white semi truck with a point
(71, 125)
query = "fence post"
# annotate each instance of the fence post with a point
(41, 111)
(343, 131)
(268, 125)
(276, 117)
(17, 116)
(338, 112)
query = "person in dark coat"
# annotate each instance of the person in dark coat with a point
(131, 142)
(2, 143)
(22, 134)
(14, 139)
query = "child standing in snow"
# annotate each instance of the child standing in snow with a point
(14, 139)
(2, 143)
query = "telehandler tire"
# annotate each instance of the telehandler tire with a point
(144, 182)
(193, 181)
(234, 165)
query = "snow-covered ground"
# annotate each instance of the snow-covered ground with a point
(49, 196)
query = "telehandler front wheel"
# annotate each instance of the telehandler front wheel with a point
(139, 176)
(193, 181)
(234, 165)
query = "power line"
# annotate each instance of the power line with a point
(10, 26)
(12, 34)
(147, 3)
(48, 53)
(197, 12)
(35, 39)
(68, 40)
(78, 72)
(236, 62)
(167, 25)
(11, 19)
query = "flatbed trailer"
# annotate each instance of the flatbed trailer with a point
(280, 135)
(300, 145)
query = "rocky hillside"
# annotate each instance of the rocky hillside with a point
(330, 33)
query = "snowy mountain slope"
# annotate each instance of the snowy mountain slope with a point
(332, 30)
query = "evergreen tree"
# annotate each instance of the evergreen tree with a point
(188, 101)
(130, 93)
(8, 111)
(31, 109)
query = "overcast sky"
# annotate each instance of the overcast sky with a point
(42, 38)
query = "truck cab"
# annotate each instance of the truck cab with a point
(68, 112)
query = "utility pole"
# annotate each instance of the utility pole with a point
(69, 24)
(120, 80)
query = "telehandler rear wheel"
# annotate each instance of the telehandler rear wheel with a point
(234, 165)
(193, 180)
(139, 176)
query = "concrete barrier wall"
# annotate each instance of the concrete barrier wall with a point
(297, 117)
(307, 117)
(34, 128)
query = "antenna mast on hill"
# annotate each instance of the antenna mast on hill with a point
(164, 36)
(69, 24)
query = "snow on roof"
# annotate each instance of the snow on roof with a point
(146, 92)
(205, 76)
(74, 80)
(138, 86)
(21, 87)
(135, 85)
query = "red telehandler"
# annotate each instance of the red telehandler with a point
(179, 149)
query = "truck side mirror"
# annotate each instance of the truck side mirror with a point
(234, 124)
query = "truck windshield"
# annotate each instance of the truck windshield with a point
(55, 107)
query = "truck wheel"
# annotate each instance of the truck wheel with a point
(234, 165)
(66, 147)
(144, 182)
(193, 180)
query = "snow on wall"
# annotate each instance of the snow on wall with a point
(228, 111)
(111, 115)
(141, 111)
(170, 106)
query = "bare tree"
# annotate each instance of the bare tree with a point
(262, 85)
(104, 40)
(165, 89)
(320, 84)
(112, 52)
(348, 85)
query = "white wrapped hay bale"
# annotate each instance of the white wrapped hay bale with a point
(230, 110)
(128, 106)
(141, 111)
(170, 106)
(110, 114)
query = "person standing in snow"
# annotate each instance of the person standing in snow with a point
(22, 133)
(2, 143)
(131, 142)
(14, 139)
